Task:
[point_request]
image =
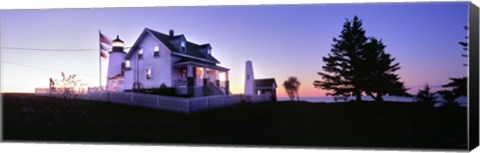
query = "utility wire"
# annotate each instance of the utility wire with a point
(39, 49)
(53, 50)
(35, 67)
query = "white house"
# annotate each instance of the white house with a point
(157, 58)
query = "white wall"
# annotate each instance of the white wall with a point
(250, 80)
(115, 61)
(175, 74)
(161, 66)
(128, 75)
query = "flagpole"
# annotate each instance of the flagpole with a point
(100, 61)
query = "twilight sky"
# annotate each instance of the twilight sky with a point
(280, 40)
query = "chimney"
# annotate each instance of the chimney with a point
(170, 33)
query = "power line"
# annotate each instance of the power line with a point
(52, 50)
(35, 67)
(41, 49)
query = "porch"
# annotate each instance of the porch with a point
(199, 79)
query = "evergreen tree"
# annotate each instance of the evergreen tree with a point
(357, 64)
(425, 96)
(341, 73)
(449, 99)
(459, 85)
(379, 78)
(464, 44)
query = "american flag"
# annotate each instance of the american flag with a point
(103, 48)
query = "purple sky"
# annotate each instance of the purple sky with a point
(280, 40)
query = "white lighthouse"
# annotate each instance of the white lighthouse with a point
(249, 79)
(115, 80)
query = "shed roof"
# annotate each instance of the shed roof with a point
(266, 83)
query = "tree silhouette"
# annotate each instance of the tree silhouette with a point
(291, 86)
(459, 85)
(425, 96)
(357, 64)
(378, 71)
(449, 98)
(341, 74)
(464, 44)
(67, 85)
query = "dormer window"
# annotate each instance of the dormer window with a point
(140, 53)
(209, 51)
(156, 51)
(183, 46)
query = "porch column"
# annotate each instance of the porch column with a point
(205, 77)
(217, 78)
(227, 84)
(190, 80)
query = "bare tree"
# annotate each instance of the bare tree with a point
(67, 85)
(291, 86)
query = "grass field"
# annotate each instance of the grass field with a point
(362, 124)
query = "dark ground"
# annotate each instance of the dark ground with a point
(363, 124)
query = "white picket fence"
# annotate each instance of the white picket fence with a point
(175, 104)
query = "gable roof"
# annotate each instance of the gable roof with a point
(265, 83)
(192, 48)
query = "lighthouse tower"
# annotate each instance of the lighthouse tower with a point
(249, 79)
(115, 66)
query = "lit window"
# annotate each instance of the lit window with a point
(117, 44)
(222, 76)
(183, 46)
(156, 52)
(149, 73)
(140, 53)
(127, 63)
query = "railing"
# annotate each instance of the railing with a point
(175, 104)
(211, 102)
(198, 82)
(40, 91)
(181, 82)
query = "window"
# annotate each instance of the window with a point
(125, 66)
(209, 52)
(149, 73)
(140, 53)
(156, 51)
(183, 46)
(127, 63)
